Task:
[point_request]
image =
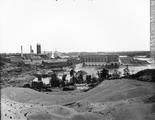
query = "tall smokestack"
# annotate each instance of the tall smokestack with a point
(31, 50)
(21, 51)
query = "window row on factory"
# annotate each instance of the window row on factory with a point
(102, 58)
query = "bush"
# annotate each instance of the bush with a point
(145, 75)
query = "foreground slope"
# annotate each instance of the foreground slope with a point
(119, 99)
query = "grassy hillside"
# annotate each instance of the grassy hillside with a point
(119, 99)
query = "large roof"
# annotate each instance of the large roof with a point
(96, 55)
(55, 60)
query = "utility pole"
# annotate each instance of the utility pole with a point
(152, 30)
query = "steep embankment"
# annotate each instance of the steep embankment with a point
(119, 100)
(111, 100)
(115, 90)
(26, 95)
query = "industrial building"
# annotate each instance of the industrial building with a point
(99, 60)
(56, 63)
(38, 49)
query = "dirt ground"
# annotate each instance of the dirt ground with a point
(119, 99)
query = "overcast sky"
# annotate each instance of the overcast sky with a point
(74, 25)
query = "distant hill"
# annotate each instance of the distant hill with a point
(122, 53)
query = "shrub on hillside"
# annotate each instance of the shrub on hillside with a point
(145, 75)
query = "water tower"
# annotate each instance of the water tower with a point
(38, 49)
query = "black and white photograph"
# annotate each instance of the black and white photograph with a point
(77, 59)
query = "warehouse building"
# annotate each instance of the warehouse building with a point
(100, 60)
